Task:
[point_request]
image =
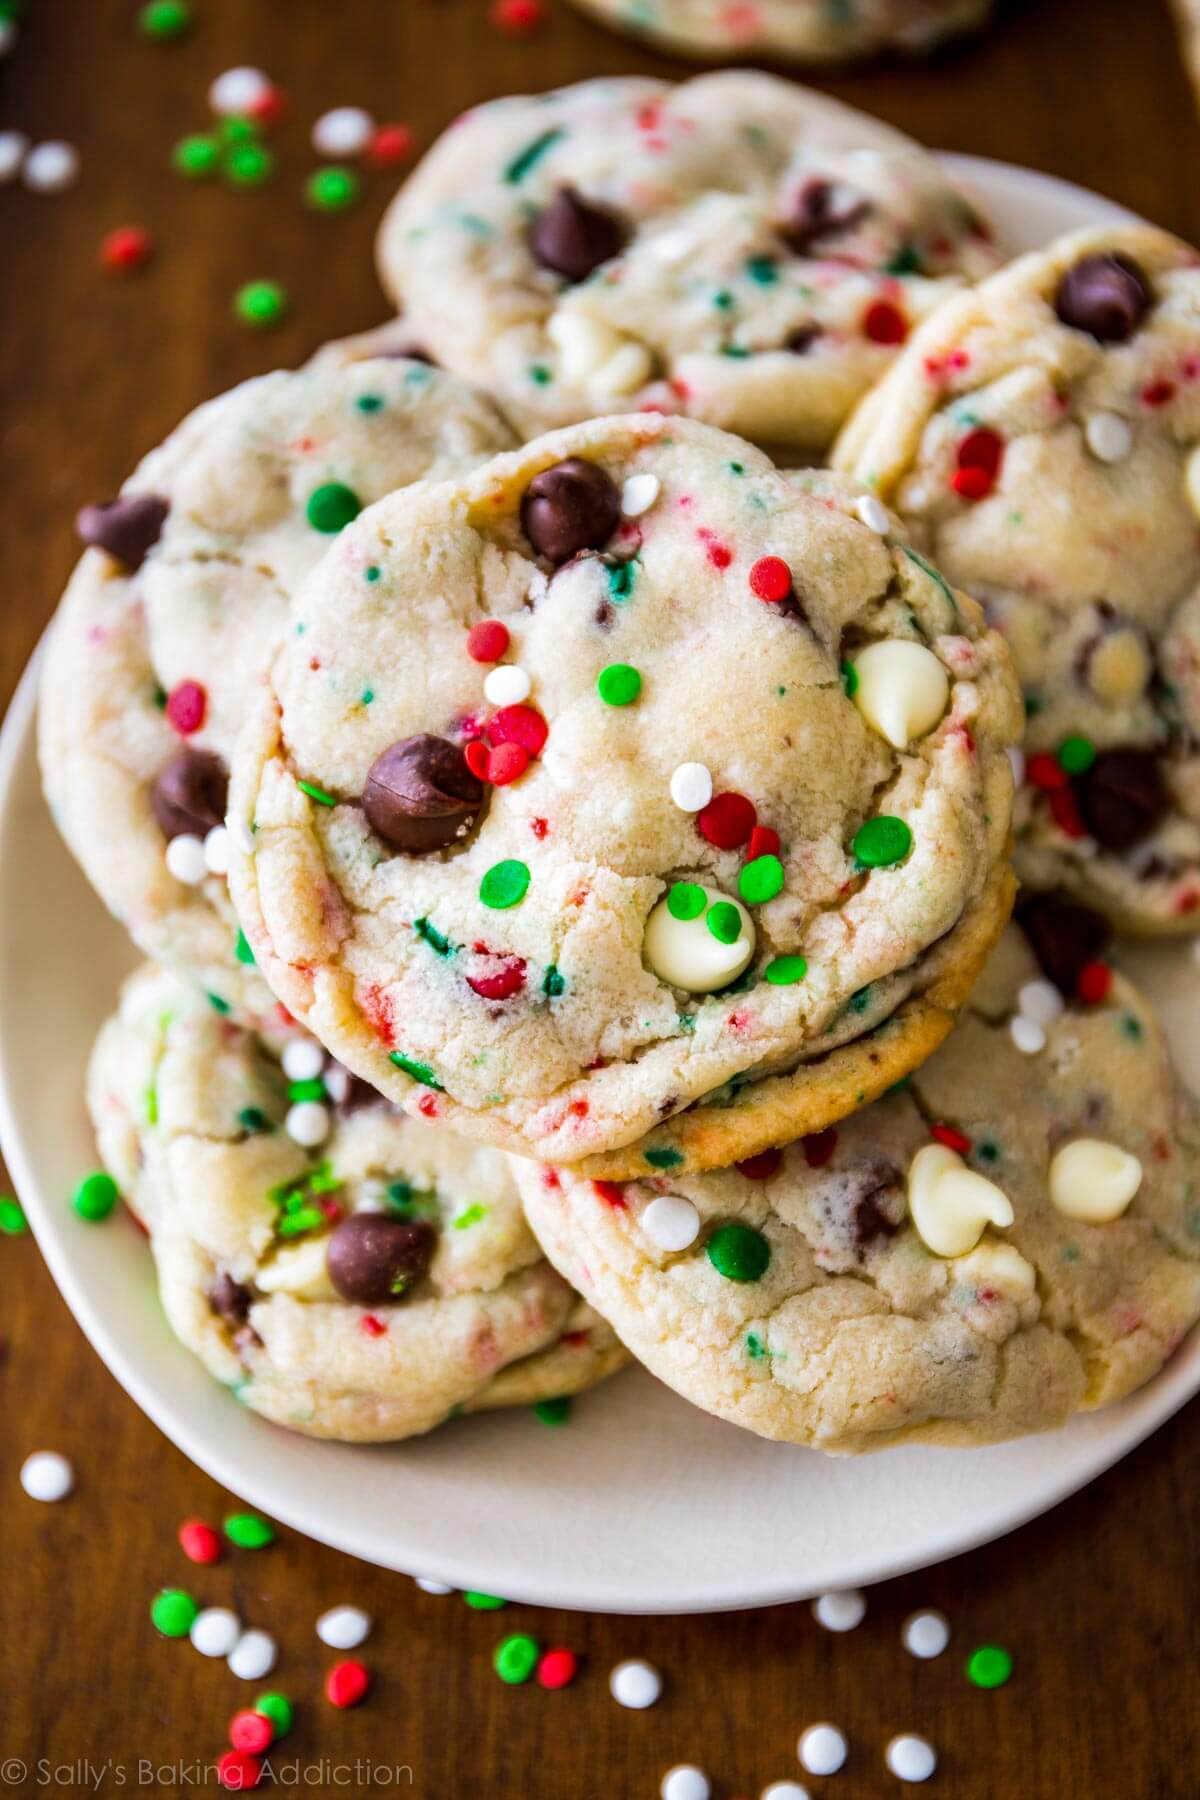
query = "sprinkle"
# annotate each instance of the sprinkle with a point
(95, 1196)
(303, 1059)
(670, 1222)
(278, 1709)
(238, 1772)
(199, 1542)
(173, 1612)
(739, 1253)
(428, 1585)
(557, 1668)
(925, 1634)
(164, 18)
(186, 707)
(761, 880)
(764, 841)
(685, 1782)
(1076, 755)
(45, 1475)
(390, 145)
(822, 1749)
(127, 248)
(724, 921)
(215, 1631)
(487, 641)
(522, 725)
(1093, 983)
(216, 850)
(1027, 1035)
(515, 1658)
(251, 1731)
(517, 17)
(483, 1602)
(533, 153)
(761, 1167)
(316, 793)
(881, 842)
(686, 900)
(236, 91)
(343, 131)
(638, 494)
(308, 1123)
(332, 506)
(785, 1790)
(1040, 1001)
(344, 1627)
(884, 323)
(253, 1656)
(635, 1684)
(910, 1758)
(554, 1411)
(50, 167)
(979, 457)
(727, 821)
(13, 146)
(840, 1612)
(1109, 437)
(505, 884)
(507, 685)
(770, 579)
(619, 684)
(691, 787)
(990, 1666)
(873, 514)
(332, 189)
(784, 971)
(418, 1070)
(664, 1158)
(13, 1222)
(260, 303)
(249, 1531)
(952, 1139)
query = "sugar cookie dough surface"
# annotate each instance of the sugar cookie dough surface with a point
(736, 248)
(506, 980)
(808, 31)
(795, 1295)
(1039, 438)
(191, 1113)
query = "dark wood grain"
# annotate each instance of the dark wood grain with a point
(1096, 1601)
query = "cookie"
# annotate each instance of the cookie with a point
(1039, 437)
(803, 31)
(735, 248)
(346, 1271)
(1011, 1236)
(170, 616)
(679, 771)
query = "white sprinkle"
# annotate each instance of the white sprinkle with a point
(241, 834)
(910, 1758)
(215, 1631)
(840, 1612)
(337, 1083)
(691, 787)
(1040, 1001)
(635, 1684)
(50, 167)
(8, 36)
(343, 131)
(13, 145)
(1108, 437)
(237, 90)
(638, 494)
(185, 859)
(303, 1059)
(1027, 1035)
(216, 851)
(873, 514)
(1016, 762)
(822, 1749)
(507, 686)
(253, 1656)
(428, 1585)
(671, 1222)
(344, 1627)
(925, 1634)
(308, 1123)
(785, 1790)
(47, 1476)
(685, 1782)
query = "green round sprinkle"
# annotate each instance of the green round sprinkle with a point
(686, 900)
(248, 1531)
(739, 1253)
(164, 18)
(196, 157)
(372, 572)
(1076, 755)
(483, 1602)
(332, 506)
(990, 1666)
(881, 842)
(249, 164)
(95, 1196)
(332, 190)
(237, 130)
(277, 1708)
(555, 1411)
(369, 403)
(306, 1090)
(785, 970)
(515, 1658)
(504, 885)
(260, 303)
(173, 1612)
(724, 921)
(12, 1219)
(849, 680)
(619, 684)
(760, 880)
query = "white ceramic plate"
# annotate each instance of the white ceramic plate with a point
(641, 1504)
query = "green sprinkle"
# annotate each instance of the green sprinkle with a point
(736, 468)
(369, 403)
(935, 575)
(1076, 755)
(249, 164)
(173, 1612)
(906, 261)
(12, 1219)
(724, 921)
(722, 300)
(540, 375)
(239, 130)
(739, 1253)
(276, 1708)
(760, 880)
(687, 1023)
(859, 1002)
(306, 1090)
(260, 303)
(332, 190)
(470, 1215)
(483, 1602)
(515, 1658)
(553, 984)
(619, 684)
(195, 158)
(533, 153)
(164, 18)
(990, 1666)
(666, 1158)
(755, 1348)
(621, 577)
(505, 884)
(332, 506)
(762, 269)
(241, 948)
(1131, 1026)
(553, 1412)
(987, 1151)
(849, 679)
(316, 793)
(218, 1003)
(881, 842)
(151, 1105)
(440, 945)
(303, 1218)
(686, 900)
(249, 1531)
(785, 970)
(252, 1118)
(95, 1197)
(418, 1070)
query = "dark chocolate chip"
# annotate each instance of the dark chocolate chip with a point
(127, 528)
(872, 1218)
(824, 212)
(189, 793)
(573, 236)
(1063, 936)
(373, 1259)
(420, 795)
(359, 1093)
(801, 341)
(1106, 295)
(570, 507)
(1122, 797)
(229, 1299)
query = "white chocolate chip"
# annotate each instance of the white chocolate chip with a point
(691, 787)
(627, 369)
(1109, 437)
(1191, 480)
(308, 1123)
(1093, 1181)
(951, 1204)
(639, 494)
(999, 1266)
(873, 513)
(686, 954)
(670, 1222)
(595, 356)
(1027, 1035)
(902, 690)
(1040, 1001)
(185, 859)
(216, 851)
(508, 685)
(298, 1269)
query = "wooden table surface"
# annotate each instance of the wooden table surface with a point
(1096, 1601)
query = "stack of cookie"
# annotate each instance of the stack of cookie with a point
(529, 791)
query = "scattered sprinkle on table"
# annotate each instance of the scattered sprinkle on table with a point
(910, 1758)
(95, 1196)
(635, 1684)
(822, 1749)
(199, 1542)
(237, 91)
(483, 1602)
(347, 1683)
(785, 1790)
(343, 131)
(45, 1475)
(344, 1627)
(215, 1631)
(249, 1531)
(990, 1666)
(50, 167)
(391, 144)
(557, 1668)
(238, 1771)
(253, 1656)
(173, 1612)
(260, 303)
(251, 1731)
(196, 157)
(12, 1219)
(126, 250)
(515, 1658)
(925, 1634)
(332, 189)
(277, 1708)
(13, 148)
(840, 1612)
(164, 19)
(685, 1782)
(428, 1585)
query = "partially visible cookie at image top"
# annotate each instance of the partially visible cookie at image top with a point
(735, 248)
(1040, 439)
(804, 31)
(169, 619)
(1009, 1237)
(624, 769)
(346, 1271)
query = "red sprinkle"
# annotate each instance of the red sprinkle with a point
(238, 1772)
(269, 107)
(884, 323)
(477, 756)
(487, 641)
(199, 1542)
(1093, 983)
(972, 484)
(505, 978)
(187, 703)
(611, 1193)
(763, 842)
(347, 1683)
(770, 578)
(1064, 810)
(819, 1147)
(539, 827)
(1046, 772)
(557, 1668)
(390, 145)
(762, 1166)
(719, 554)
(126, 249)
(372, 1326)
(727, 820)
(953, 1140)
(506, 763)
(1157, 393)
(427, 1106)
(250, 1731)
(518, 17)
(518, 725)
(979, 457)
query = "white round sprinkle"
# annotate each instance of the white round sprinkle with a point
(344, 1627)
(1027, 1035)
(217, 847)
(8, 36)
(635, 1684)
(685, 1782)
(1016, 762)
(50, 167)
(910, 1758)
(925, 1634)
(343, 131)
(873, 514)
(1040, 1001)
(507, 686)
(253, 1656)
(13, 145)
(185, 859)
(822, 1749)
(638, 494)
(237, 90)
(1108, 437)
(337, 1083)
(427, 1585)
(671, 1222)
(308, 1123)
(303, 1059)
(691, 787)
(215, 1631)
(840, 1612)
(785, 1790)
(47, 1476)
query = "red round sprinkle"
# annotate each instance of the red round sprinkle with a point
(953, 1140)
(770, 578)
(238, 1771)
(1093, 983)
(371, 1326)
(504, 978)
(819, 1147)
(884, 323)
(1064, 810)
(518, 16)
(727, 820)
(557, 1668)
(390, 145)
(507, 762)
(487, 641)
(518, 725)
(1046, 772)
(972, 484)
(1157, 393)
(763, 842)
(269, 107)
(250, 1731)
(476, 756)
(611, 1192)
(200, 1543)
(981, 449)
(187, 704)
(762, 1166)
(347, 1683)
(125, 249)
